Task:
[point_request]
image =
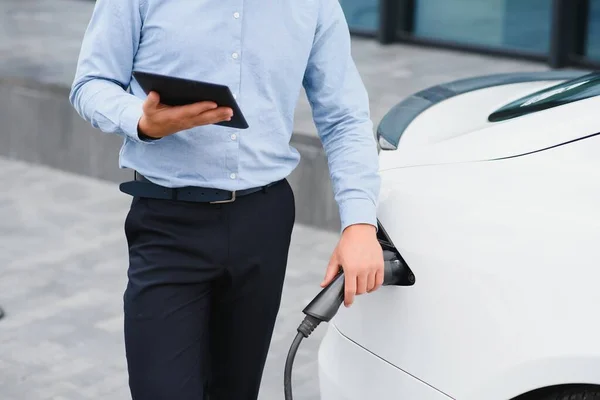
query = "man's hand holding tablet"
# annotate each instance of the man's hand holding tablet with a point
(175, 104)
(160, 120)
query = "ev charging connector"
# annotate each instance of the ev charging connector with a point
(326, 304)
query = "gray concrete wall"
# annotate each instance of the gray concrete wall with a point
(39, 125)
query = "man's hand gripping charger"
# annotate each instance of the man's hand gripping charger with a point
(328, 301)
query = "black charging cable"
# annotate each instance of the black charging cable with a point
(328, 301)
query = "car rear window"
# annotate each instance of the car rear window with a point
(567, 92)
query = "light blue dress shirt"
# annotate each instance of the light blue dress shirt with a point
(265, 51)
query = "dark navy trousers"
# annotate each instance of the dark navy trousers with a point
(204, 290)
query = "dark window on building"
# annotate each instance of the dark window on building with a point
(593, 33)
(509, 24)
(362, 15)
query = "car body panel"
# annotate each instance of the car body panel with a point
(457, 130)
(506, 257)
(349, 372)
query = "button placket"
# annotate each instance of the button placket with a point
(236, 56)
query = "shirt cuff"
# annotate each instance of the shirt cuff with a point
(358, 211)
(130, 118)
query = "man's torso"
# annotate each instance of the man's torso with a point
(259, 50)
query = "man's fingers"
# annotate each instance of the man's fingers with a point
(349, 288)
(332, 270)
(152, 102)
(371, 282)
(212, 117)
(188, 116)
(196, 109)
(361, 283)
(191, 112)
(379, 278)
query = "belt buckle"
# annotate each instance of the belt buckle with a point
(231, 200)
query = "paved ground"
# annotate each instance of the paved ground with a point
(63, 262)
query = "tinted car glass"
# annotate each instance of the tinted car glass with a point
(567, 92)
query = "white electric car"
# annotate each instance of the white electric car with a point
(491, 196)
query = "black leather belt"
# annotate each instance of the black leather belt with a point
(140, 186)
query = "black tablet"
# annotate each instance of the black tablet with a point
(178, 91)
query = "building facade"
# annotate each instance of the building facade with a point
(564, 33)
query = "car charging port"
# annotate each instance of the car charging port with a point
(397, 273)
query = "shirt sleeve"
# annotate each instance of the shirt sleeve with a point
(104, 69)
(340, 108)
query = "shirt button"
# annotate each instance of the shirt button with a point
(235, 55)
(233, 136)
(232, 176)
(236, 15)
